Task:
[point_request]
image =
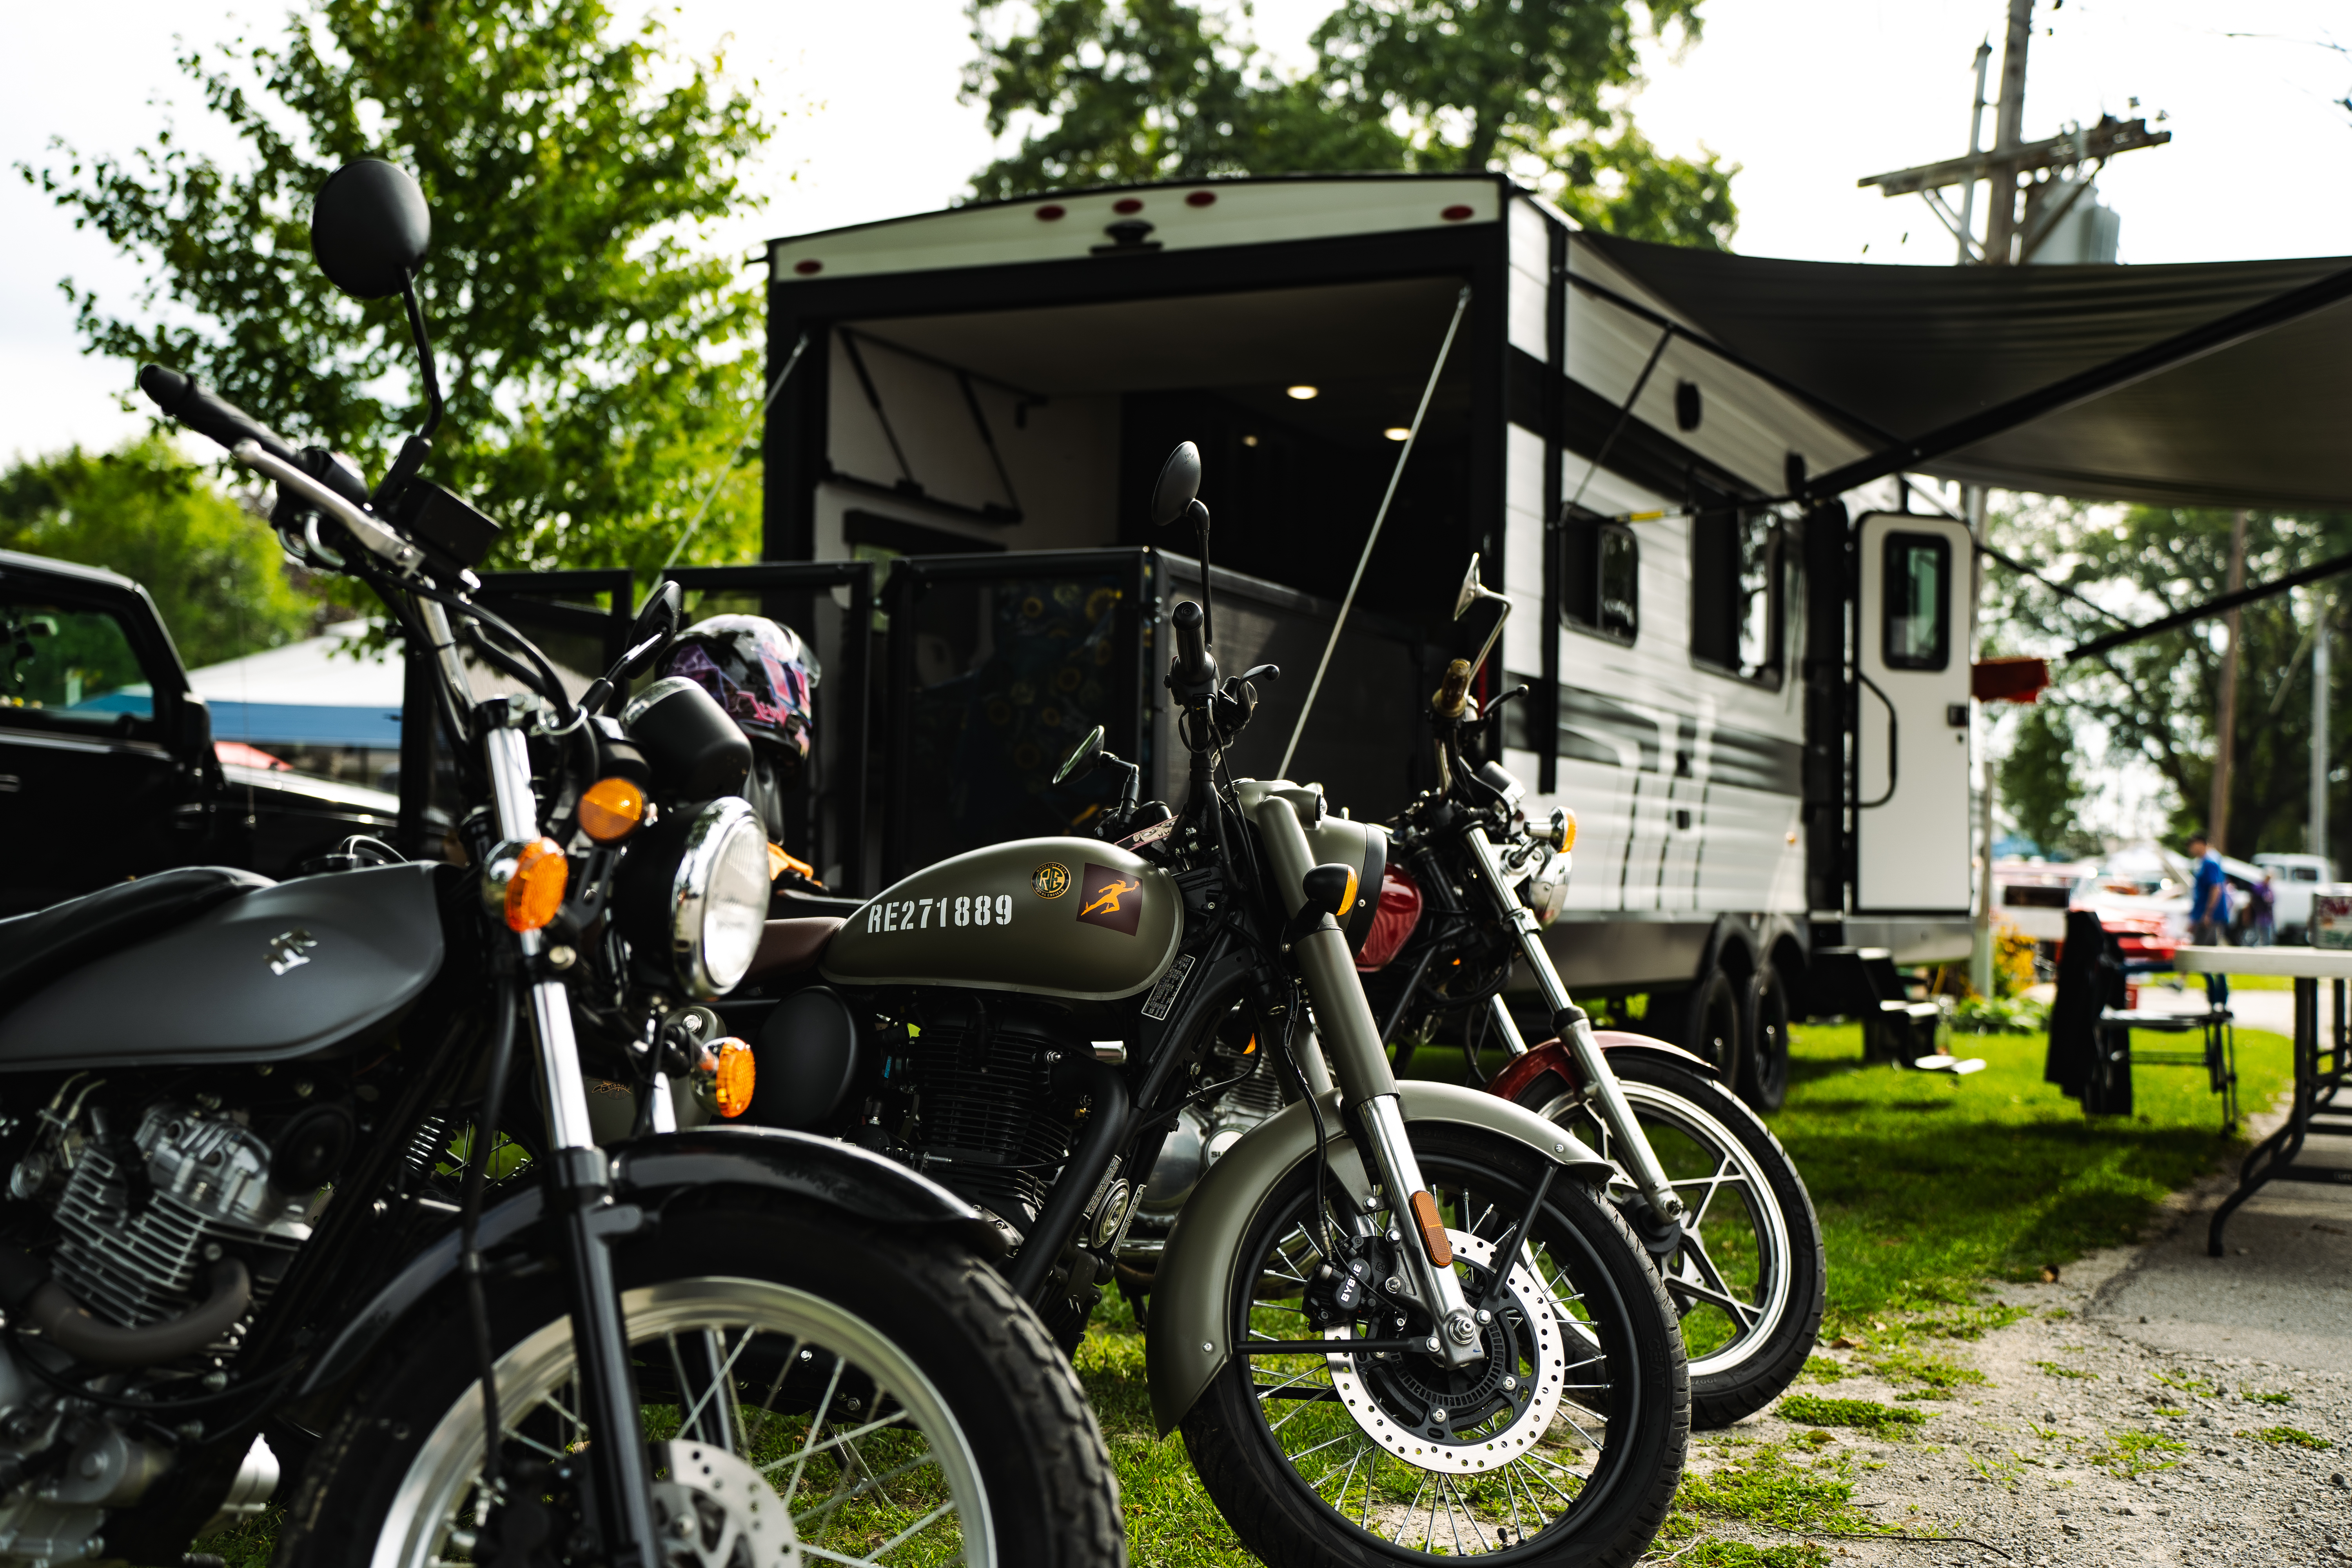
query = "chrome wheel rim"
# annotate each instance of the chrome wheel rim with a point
(1730, 1285)
(883, 1476)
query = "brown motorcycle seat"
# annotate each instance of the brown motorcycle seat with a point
(788, 947)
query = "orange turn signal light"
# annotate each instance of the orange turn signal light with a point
(611, 810)
(737, 1072)
(1567, 829)
(534, 888)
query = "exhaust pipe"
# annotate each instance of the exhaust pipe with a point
(40, 1302)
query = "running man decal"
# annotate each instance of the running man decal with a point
(1112, 898)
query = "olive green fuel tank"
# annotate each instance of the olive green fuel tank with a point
(1057, 917)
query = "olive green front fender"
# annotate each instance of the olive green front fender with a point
(1190, 1341)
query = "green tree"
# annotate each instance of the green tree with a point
(2039, 786)
(2161, 697)
(593, 357)
(1114, 91)
(212, 568)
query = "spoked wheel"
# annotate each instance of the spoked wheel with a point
(1560, 1444)
(813, 1391)
(1750, 1279)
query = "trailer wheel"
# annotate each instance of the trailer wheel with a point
(1713, 1032)
(1764, 1064)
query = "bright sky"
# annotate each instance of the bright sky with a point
(1805, 95)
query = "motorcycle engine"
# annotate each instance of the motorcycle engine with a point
(1202, 1135)
(206, 1181)
(984, 1120)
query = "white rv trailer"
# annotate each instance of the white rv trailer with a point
(1760, 718)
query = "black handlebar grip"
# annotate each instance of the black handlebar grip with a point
(1193, 666)
(209, 415)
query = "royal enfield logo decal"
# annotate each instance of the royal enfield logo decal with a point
(290, 950)
(1050, 880)
(1109, 898)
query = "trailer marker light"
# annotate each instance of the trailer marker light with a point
(808, 268)
(1305, 394)
(1126, 204)
(1200, 199)
(1048, 212)
(1455, 214)
(1396, 432)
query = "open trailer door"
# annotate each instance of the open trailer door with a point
(1911, 835)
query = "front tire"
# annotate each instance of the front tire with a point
(1752, 1278)
(1311, 1466)
(944, 1410)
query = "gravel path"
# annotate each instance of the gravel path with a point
(2116, 1422)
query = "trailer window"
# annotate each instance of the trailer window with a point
(1601, 578)
(1918, 617)
(1735, 620)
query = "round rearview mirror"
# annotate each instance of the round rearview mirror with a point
(1178, 485)
(370, 229)
(1081, 762)
(655, 624)
(1470, 586)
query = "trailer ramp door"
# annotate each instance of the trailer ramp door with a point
(1911, 763)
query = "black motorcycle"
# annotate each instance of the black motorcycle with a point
(280, 1192)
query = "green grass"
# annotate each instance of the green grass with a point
(2295, 1437)
(2059, 1369)
(2129, 1453)
(1927, 1185)
(2257, 1398)
(1867, 1414)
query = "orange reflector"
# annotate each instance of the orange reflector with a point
(535, 890)
(1566, 828)
(1433, 1230)
(737, 1072)
(611, 810)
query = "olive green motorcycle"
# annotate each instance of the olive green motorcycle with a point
(1394, 1321)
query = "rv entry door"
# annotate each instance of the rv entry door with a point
(1911, 840)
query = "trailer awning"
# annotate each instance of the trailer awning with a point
(1898, 352)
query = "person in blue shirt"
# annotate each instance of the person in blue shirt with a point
(2208, 908)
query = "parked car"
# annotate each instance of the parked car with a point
(2292, 880)
(108, 768)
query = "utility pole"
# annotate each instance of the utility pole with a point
(2008, 130)
(2217, 818)
(2321, 609)
(1976, 145)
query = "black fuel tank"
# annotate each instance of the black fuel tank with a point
(288, 970)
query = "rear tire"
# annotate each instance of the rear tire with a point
(1772, 1254)
(1764, 1065)
(998, 1411)
(1712, 1031)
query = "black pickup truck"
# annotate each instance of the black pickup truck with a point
(106, 763)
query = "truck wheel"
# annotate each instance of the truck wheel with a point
(1764, 1065)
(1711, 1030)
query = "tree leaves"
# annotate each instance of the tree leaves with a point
(1120, 91)
(598, 369)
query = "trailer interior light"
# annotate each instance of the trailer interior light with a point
(531, 878)
(737, 1071)
(1396, 432)
(1249, 440)
(1305, 394)
(611, 810)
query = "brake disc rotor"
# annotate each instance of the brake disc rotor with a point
(1480, 1417)
(714, 1510)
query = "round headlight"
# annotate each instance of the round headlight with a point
(719, 897)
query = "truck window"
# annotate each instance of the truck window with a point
(67, 668)
(1601, 578)
(1735, 609)
(2303, 874)
(1918, 619)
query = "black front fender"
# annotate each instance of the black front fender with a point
(650, 1172)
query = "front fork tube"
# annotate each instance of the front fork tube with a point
(1632, 1145)
(588, 1222)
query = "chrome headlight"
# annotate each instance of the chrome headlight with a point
(719, 897)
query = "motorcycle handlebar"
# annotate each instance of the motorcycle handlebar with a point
(209, 414)
(1194, 668)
